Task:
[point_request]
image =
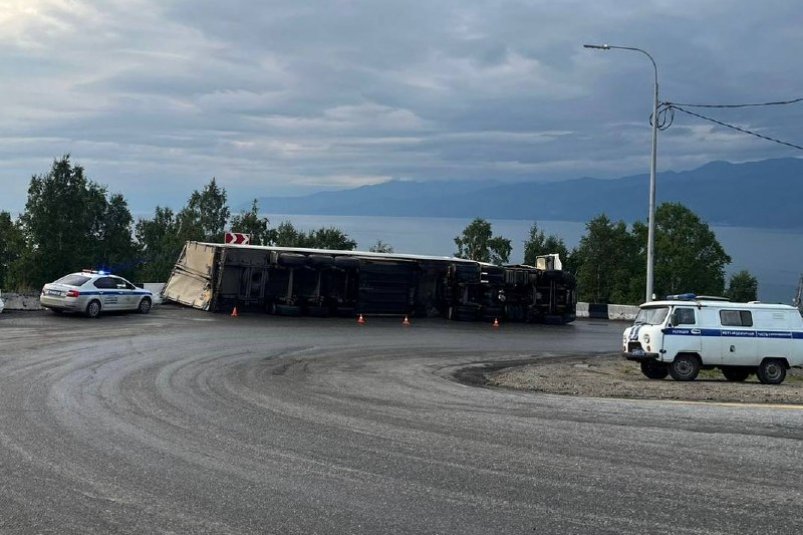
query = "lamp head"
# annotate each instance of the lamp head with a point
(598, 47)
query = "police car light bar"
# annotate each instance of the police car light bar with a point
(96, 272)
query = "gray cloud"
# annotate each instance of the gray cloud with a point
(280, 97)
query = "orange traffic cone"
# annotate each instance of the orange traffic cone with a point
(361, 320)
(234, 313)
(406, 321)
(496, 322)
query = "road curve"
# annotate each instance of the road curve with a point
(187, 422)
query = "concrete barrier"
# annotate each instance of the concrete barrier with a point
(15, 301)
(606, 312)
(598, 311)
(622, 312)
(581, 310)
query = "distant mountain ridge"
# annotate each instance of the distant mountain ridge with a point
(763, 194)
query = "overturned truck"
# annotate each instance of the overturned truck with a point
(317, 282)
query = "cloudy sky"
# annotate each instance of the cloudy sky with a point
(154, 97)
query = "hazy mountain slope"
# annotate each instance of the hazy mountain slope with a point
(757, 194)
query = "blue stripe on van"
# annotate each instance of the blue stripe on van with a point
(734, 333)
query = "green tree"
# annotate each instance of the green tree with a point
(160, 242)
(478, 243)
(534, 245)
(538, 244)
(688, 257)
(65, 224)
(12, 248)
(323, 238)
(161, 239)
(381, 247)
(205, 216)
(329, 238)
(287, 235)
(606, 260)
(249, 222)
(115, 248)
(742, 287)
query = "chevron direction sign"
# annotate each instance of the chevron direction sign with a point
(238, 238)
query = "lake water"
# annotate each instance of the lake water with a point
(774, 257)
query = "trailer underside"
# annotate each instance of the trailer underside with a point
(297, 282)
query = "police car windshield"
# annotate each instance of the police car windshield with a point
(652, 316)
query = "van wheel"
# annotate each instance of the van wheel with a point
(684, 368)
(654, 370)
(771, 371)
(736, 373)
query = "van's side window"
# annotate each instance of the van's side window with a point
(684, 316)
(736, 318)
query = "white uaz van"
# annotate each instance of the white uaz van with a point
(686, 333)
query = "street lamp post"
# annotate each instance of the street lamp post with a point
(651, 220)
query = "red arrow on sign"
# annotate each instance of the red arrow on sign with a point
(238, 238)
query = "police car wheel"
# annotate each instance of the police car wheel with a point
(144, 306)
(654, 370)
(771, 372)
(93, 309)
(684, 368)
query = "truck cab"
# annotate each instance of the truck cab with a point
(685, 333)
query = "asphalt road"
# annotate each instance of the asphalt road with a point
(188, 422)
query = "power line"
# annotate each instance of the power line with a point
(754, 105)
(666, 116)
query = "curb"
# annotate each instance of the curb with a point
(606, 311)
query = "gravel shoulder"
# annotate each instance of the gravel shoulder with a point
(610, 376)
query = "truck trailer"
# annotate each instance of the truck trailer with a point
(319, 282)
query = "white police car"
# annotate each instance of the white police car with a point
(93, 292)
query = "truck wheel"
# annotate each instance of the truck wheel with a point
(654, 370)
(736, 373)
(320, 260)
(684, 368)
(347, 262)
(288, 310)
(93, 309)
(462, 313)
(771, 371)
(291, 259)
